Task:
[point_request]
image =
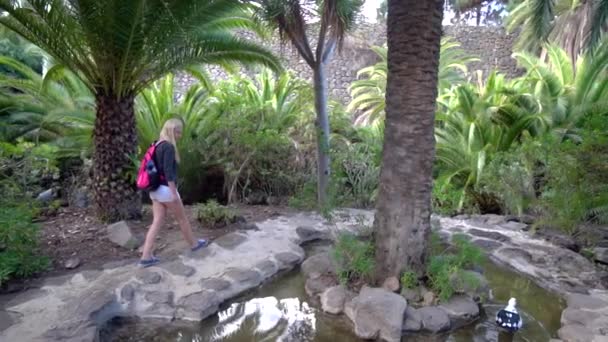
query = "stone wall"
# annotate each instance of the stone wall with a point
(491, 44)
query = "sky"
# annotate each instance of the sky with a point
(370, 6)
(369, 9)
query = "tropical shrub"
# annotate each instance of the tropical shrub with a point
(212, 214)
(264, 141)
(357, 168)
(15, 47)
(56, 108)
(18, 241)
(446, 270)
(576, 184)
(369, 92)
(26, 170)
(409, 280)
(354, 258)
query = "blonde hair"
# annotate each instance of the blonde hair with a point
(167, 133)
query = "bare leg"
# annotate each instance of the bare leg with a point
(177, 208)
(158, 211)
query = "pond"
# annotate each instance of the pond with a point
(279, 311)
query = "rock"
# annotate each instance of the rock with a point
(159, 310)
(581, 301)
(81, 198)
(575, 333)
(248, 226)
(120, 233)
(411, 295)
(256, 198)
(493, 219)
(273, 200)
(148, 277)
(391, 284)
(230, 241)
(316, 286)
(377, 313)
(558, 239)
(160, 297)
(516, 226)
(287, 260)
(127, 292)
(434, 319)
(267, 268)
(516, 253)
(333, 299)
(214, 284)
(462, 310)
(318, 265)
(307, 233)
(471, 283)
(576, 316)
(72, 263)
(527, 219)
(198, 306)
(600, 254)
(46, 196)
(487, 245)
(7, 319)
(489, 235)
(244, 276)
(178, 268)
(428, 297)
(413, 320)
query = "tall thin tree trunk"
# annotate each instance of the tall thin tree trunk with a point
(322, 125)
(402, 222)
(115, 139)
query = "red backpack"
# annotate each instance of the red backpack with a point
(148, 177)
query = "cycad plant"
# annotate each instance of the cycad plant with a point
(30, 105)
(574, 25)
(567, 93)
(119, 47)
(369, 92)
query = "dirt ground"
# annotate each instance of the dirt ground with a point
(76, 234)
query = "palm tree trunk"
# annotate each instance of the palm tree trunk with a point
(322, 125)
(402, 222)
(115, 138)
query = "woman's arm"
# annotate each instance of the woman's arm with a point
(170, 170)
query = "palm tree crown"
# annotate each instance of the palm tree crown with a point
(121, 46)
(117, 48)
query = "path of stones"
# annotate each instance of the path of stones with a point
(72, 308)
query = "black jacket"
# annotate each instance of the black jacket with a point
(166, 164)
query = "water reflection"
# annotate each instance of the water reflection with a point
(278, 311)
(266, 319)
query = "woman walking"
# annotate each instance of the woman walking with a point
(166, 197)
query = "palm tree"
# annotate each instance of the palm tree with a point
(402, 223)
(117, 48)
(337, 17)
(575, 25)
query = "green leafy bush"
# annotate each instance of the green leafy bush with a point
(409, 280)
(576, 184)
(513, 176)
(18, 242)
(30, 168)
(446, 270)
(213, 214)
(354, 258)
